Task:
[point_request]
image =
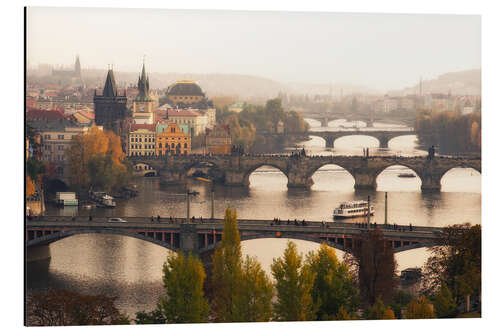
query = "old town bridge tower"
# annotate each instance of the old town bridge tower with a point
(110, 108)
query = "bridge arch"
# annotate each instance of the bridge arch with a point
(399, 163)
(464, 181)
(243, 238)
(54, 237)
(253, 168)
(144, 169)
(314, 170)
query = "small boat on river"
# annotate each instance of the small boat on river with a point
(102, 199)
(406, 175)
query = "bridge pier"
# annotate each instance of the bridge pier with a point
(384, 142)
(299, 179)
(188, 238)
(364, 181)
(430, 183)
(172, 177)
(236, 178)
(38, 254)
(329, 141)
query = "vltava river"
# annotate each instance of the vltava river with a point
(131, 269)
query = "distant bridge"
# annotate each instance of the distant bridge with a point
(236, 169)
(383, 136)
(368, 118)
(203, 237)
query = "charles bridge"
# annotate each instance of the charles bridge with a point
(236, 169)
(202, 236)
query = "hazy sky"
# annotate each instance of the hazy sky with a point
(382, 51)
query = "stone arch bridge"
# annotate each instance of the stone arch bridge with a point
(383, 137)
(202, 237)
(236, 170)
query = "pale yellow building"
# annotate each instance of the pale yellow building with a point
(141, 140)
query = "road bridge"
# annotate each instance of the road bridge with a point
(202, 237)
(236, 169)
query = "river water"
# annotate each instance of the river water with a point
(131, 269)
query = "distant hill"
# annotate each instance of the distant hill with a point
(458, 83)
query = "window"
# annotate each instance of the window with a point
(160, 145)
(172, 130)
(60, 136)
(185, 145)
(173, 145)
(46, 136)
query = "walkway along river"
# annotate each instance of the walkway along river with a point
(131, 269)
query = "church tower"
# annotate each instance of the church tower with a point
(78, 70)
(142, 109)
(110, 108)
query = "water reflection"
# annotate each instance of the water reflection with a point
(131, 269)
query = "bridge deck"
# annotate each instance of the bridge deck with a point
(243, 224)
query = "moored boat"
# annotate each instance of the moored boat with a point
(102, 199)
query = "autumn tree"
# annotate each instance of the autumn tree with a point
(64, 308)
(342, 314)
(294, 282)
(184, 302)
(374, 262)
(333, 287)
(96, 159)
(380, 311)
(455, 263)
(30, 186)
(420, 309)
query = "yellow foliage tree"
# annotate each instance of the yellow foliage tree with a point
(96, 158)
(420, 309)
(30, 186)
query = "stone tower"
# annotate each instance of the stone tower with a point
(110, 108)
(142, 109)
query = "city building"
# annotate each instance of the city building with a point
(184, 93)
(141, 140)
(196, 121)
(172, 140)
(218, 140)
(56, 136)
(142, 108)
(110, 108)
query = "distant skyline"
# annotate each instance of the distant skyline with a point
(379, 51)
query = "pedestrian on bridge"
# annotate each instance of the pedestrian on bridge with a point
(158, 218)
(90, 217)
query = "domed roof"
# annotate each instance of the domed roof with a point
(185, 87)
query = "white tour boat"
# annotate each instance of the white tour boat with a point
(352, 209)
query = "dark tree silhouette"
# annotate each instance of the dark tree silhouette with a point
(374, 266)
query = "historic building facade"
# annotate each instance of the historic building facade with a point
(172, 140)
(185, 93)
(141, 140)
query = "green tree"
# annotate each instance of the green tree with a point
(420, 309)
(294, 283)
(256, 292)
(183, 278)
(241, 290)
(444, 304)
(380, 311)
(342, 314)
(227, 271)
(456, 263)
(333, 287)
(400, 301)
(153, 317)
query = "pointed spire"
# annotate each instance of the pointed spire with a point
(143, 85)
(110, 85)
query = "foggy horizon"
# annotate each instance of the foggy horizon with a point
(377, 51)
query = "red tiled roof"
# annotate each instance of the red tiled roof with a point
(37, 114)
(135, 127)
